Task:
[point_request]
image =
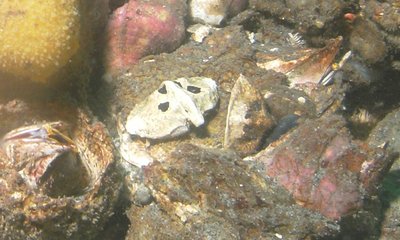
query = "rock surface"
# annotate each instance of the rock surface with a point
(324, 169)
(387, 133)
(313, 180)
(197, 198)
(223, 56)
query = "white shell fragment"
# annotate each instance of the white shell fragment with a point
(199, 31)
(134, 153)
(171, 109)
(208, 11)
(215, 11)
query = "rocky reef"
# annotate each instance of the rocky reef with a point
(150, 119)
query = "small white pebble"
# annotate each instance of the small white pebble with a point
(16, 196)
(149, 61)
(301, 100)
(199, 32)
(268, 95)
(251, 37)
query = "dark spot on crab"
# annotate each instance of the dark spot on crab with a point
(193, 89)
(163, 106)
(163, 90)
(178, 83)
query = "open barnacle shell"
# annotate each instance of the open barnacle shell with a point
(47, 157)
(34, 150)
(63, 184)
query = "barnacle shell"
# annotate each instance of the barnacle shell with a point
(49, 212)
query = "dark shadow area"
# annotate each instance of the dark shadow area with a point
(378, 99)
(389, 198)
(118, 224)
(390, 188)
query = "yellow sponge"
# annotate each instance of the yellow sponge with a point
(37, 37)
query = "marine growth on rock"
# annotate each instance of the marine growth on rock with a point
(38, 37)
